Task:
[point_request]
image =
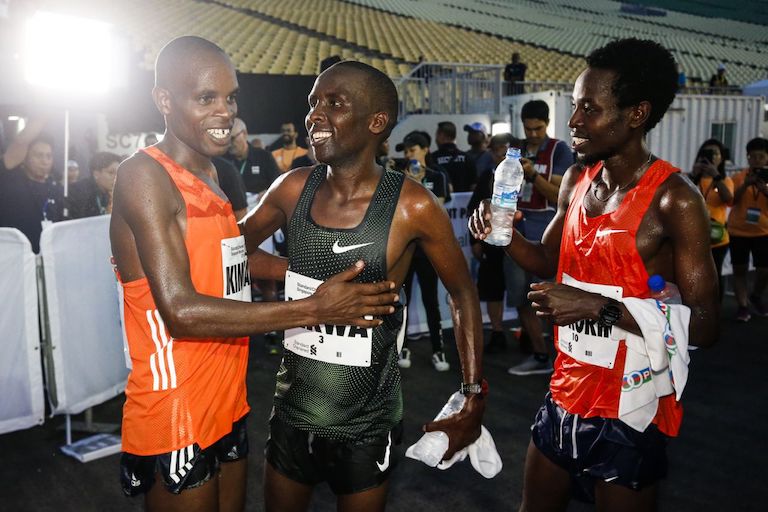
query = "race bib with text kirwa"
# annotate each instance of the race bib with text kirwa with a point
(339, 344)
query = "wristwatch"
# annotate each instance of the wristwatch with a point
(610, 313)
(474, 388)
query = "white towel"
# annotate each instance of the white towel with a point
(482, 454)
(657, 362)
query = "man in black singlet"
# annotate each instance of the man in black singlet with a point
(338, 404)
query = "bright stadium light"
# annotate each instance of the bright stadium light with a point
(68, 53)
(500, 128)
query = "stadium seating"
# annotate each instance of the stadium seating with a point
(293, 36)
(573, 27)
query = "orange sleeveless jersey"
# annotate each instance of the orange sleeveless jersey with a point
(179, 391)
(610, 258)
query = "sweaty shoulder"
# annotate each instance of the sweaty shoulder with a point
(138, 170)
(568, 185)
(677, 193)
(416, 199)
(140, 176)
(285, 190)
(293, 179)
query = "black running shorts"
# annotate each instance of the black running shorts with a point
(347, 466)
(186, 468)
(606, 449)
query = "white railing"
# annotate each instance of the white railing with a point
(451, 88)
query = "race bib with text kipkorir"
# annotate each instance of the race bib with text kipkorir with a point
(588, 341)
(339, 344)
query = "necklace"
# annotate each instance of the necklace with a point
(599, 181)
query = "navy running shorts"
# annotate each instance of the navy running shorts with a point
(186, 468)
(348, 467)
(592, 449)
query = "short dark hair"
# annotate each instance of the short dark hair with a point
(645, 71)
(447, 128)
(415, 138)
(175, 56)
(381, 91)
(535, 109)
(723, 153)
(102, 160)
(757, 144)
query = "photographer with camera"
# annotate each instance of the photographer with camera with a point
(708, 174)
(748, 226)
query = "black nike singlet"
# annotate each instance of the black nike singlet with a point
(339, 402)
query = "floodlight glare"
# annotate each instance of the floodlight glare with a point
(68, 53)
(500, 128)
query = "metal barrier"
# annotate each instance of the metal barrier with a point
(450, 88)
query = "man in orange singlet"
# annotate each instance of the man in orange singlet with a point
(182, 264)
(623, 215)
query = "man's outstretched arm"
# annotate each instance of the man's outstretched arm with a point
(435, 236)
(537, 257)
(145, 214)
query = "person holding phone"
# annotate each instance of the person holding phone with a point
(708, 174)
(748, 226)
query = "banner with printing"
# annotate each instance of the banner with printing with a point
(417, 318)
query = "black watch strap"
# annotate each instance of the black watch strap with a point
(610, 313)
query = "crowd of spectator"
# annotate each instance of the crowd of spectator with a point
(32, 196)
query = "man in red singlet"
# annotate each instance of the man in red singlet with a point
(622, 215)
(182, 264)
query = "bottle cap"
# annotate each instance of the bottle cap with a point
(413, 163)
(656, 283)
(513, 153)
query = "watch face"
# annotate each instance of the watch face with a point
(471, 388)
(609, 314)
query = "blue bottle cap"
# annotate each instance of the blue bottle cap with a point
(656, 283)
(513, 153)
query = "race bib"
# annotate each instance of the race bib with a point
(339, 344)
(589, 341)
(753, 215)
(234, 262)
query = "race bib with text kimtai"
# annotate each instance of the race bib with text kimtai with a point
(589, 341)
(234, 262)
(340, 344)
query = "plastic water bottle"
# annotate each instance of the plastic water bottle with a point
(664, 291)
(507, 180)
(433, 445)
(414, 167)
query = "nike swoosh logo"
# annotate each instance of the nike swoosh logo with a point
(606, 232)
(384, 465)
(337, 249)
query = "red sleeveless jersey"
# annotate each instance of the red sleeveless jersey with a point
(184, 391)
(602, 250)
